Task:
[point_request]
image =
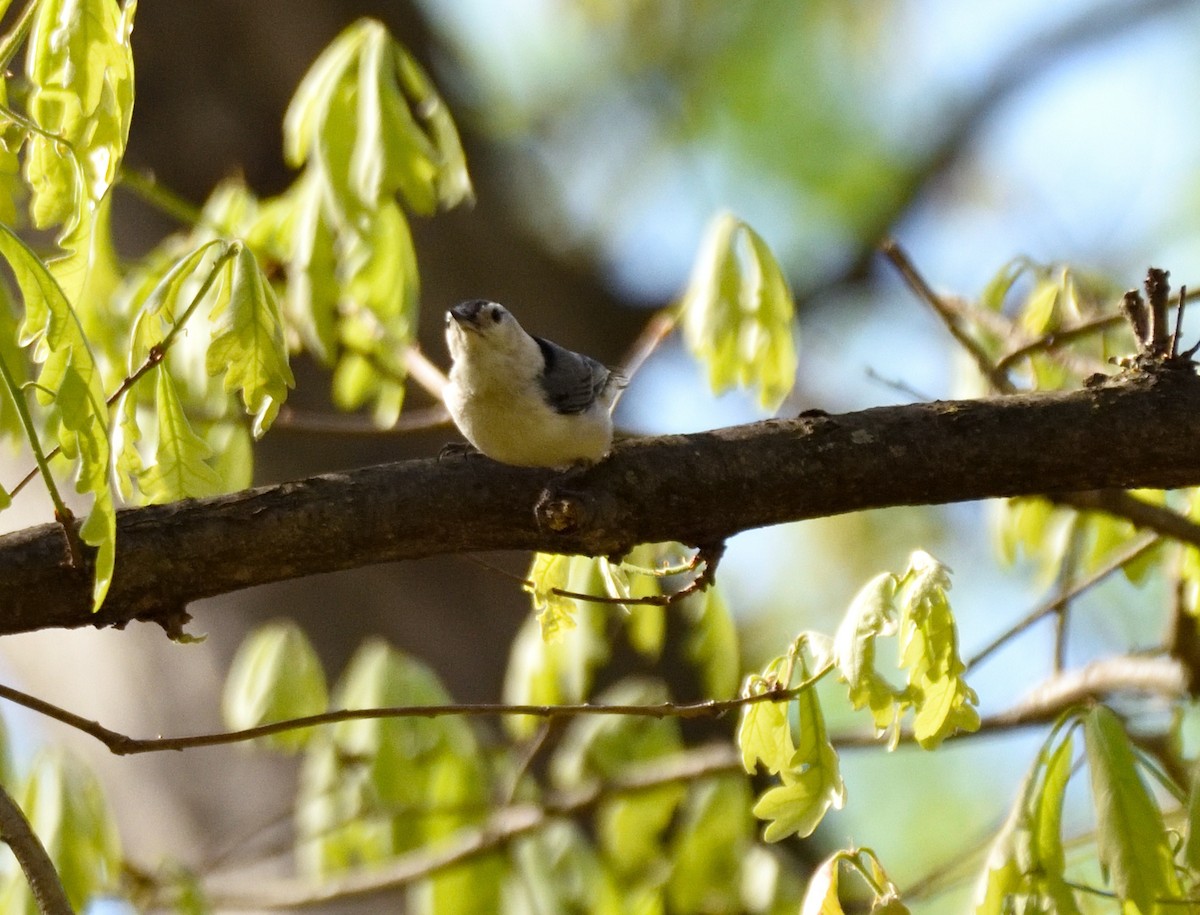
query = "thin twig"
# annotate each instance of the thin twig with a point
(1121, 504)
(424, 372)
(503, 827)
(157, 353)
(1058, 338)
(124, 745)
(657, 329)
(916, 282)
(1134, 551)
(43, 879)
(308, 422)
(146, 186)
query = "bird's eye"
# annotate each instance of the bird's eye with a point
(497, 315)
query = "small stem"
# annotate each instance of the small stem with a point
(157, 353)
(146, 186)
(1134, 551)
(17, 34)
(916, 282)
(61, 512)
(43, 879)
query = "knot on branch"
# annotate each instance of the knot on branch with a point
(560, 513)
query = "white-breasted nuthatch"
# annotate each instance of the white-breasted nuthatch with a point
(523, 400)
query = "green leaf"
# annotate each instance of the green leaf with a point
(1133, 845)
(737, 313)
(821, 896)
(712, 642)
(248, 343)
(710, 844)
(605, 746)
(163, 304)
(1024, 868)
(1191, 849)
(929, 651)
(69, 378)
(872, 613)
(555, 613)
(808, 767)
(369, 120)
(179, 470)
(80, 66)
(997, 289)
(550, 673)
(367, 785)
(764, 734)
(557, 870)
(67, 810)
(275, 676)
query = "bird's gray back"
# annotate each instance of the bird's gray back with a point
(571, 381)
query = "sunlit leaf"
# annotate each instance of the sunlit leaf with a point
(370, 121)
(367, 785)
(764, 734)
(275, 676)
(712, 642)
(180, 469)
(80, 66)
(812, 781)
(248, 344)
(1132, 842)
(737, 313)
(71, 380)
(548, 574)
(929, 651)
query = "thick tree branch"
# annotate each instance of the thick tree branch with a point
(698, 489)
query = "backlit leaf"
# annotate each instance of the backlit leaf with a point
(737, 313)
(180, 469)
(275, 676)
(80, 66)
(1133, 845)
(71, 380)
(248, 344)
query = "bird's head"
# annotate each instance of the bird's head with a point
(478, 327)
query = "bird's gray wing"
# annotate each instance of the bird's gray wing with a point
(571, 381)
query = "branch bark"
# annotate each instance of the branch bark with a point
(44, 883)
(1137, 431)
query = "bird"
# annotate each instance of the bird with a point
(522, 400)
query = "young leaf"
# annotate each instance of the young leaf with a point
(555, 613)
(70, 379)
(275, 676)
(179, 470)
(812, 780)
(1133, 845)
(929, 650)
(1025, 865)
(712, 642)
(737, 313)
(248, 344)
(80, 66)
(764, 733)
(821, 897)
(370, 121)
(872, 613)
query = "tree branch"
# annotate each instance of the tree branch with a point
(1138, 431)
(44, 883)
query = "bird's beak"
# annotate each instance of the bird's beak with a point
(466, 314)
